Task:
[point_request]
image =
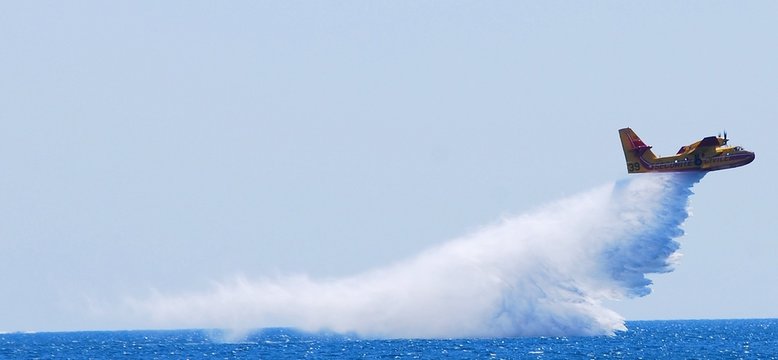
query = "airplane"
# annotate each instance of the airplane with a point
(708, 154)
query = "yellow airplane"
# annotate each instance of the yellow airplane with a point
(708, 154)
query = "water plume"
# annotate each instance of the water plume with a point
(544, 273)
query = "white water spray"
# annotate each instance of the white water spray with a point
(543, 273)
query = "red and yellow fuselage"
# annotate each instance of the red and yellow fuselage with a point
(708, 154)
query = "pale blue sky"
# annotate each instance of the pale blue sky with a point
(149, 145)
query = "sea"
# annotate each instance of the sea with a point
(677, 339)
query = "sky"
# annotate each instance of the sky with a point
(163, 147)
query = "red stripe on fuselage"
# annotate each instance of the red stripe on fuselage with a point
(717, 163)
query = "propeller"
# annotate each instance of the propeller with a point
(725, 137)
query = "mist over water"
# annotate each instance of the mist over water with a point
(543, 273)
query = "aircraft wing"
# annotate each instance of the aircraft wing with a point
(709, 141)
(707, 145)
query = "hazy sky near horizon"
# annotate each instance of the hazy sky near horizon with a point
(164, 146)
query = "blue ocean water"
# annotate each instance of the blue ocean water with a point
(688, 339)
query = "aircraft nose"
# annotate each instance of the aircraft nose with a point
(750, 158)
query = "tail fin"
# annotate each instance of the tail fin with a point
(636, 152)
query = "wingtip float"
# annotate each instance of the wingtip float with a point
(708, 154)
